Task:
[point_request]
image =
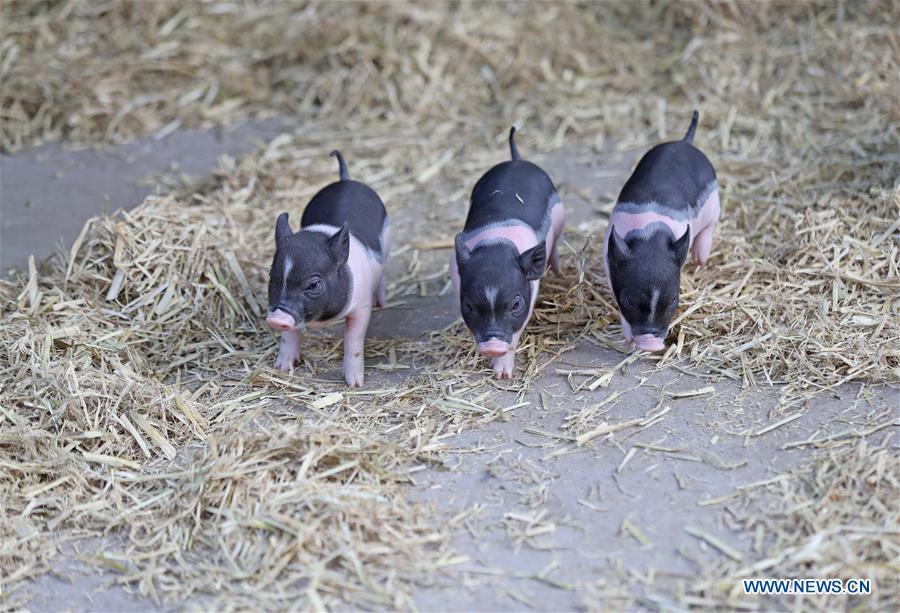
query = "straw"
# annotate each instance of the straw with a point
(138, 398)
(836, 518)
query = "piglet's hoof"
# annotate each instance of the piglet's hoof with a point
(354, 377)
(503, 366)
(285, 361)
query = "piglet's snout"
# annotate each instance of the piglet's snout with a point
(649, 342)
(279, 320)
(493, 348)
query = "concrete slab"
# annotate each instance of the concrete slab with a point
(47, 193)
(516, 476)
(75, 584)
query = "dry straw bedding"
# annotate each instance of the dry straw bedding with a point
(837, 518)
(137, 398)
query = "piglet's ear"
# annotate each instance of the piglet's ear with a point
(339, 245)
(534, 261)
(462, 252)
(618, 248)
(680, 247)
(282, 228)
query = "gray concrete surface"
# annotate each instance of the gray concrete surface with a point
(75, 584)
(500, 473)
(583, 496)
(47, 193)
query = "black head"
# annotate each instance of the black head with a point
(309, 280)
(645, 274)
(495, 287)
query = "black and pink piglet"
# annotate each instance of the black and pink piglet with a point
(332, 269)
(668, 207)
(514, 225)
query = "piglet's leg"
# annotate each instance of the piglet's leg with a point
(703, 244)
(381, 293)
(626, 329)
(558, 222)
(703, 241)
(288, 351)
(504, 366)
(354, 341)
(554, 258)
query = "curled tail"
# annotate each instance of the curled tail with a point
(689, 135)
(342, 165)
(512, 144)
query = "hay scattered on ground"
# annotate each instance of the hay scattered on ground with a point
(137, 394)
(147, 409)
(835, 519)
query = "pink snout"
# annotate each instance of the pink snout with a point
(493, 348)
(649, 342)
(279, 320)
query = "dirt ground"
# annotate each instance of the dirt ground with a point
(541, 523)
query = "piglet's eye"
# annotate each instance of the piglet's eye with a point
(313, 287)
(467, 307)
(517, 305)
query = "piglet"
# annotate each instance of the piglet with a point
(332, 269)
(669, 205)
(501, 254)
